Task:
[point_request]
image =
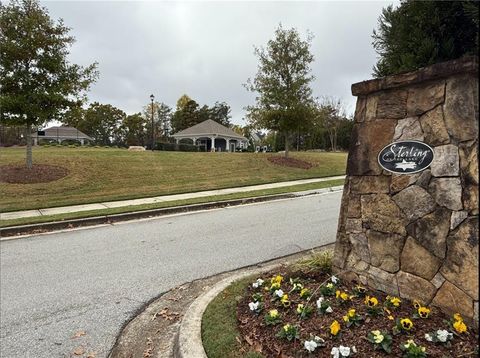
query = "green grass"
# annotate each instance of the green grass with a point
(92, 213)
(219, 324)
(107, 174)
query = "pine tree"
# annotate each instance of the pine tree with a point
(421, 33)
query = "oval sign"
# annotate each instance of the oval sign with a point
(406, 157)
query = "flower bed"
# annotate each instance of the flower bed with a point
(294, 314)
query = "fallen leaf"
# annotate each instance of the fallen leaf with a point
(249, 340)
(79, 334)
(257, 347)
(79, 351)
(238, 339)
(91, 355)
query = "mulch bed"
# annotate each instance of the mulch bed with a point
(257, 336)
(16, 174)
(290, 162)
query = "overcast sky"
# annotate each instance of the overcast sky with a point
(205, 49)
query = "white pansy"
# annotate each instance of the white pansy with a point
(310, 345)
(253, 306)
(344, 351)
(335, 352)
(329, 309)
(443, 335)
(334, 279)
(278, 293)
(318, 339)
(354, 350)
(258, 283)
(319, 302)
(428, 337)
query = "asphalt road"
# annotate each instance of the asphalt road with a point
(93, 280)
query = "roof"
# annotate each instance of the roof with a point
(208, 128)
(64, 133)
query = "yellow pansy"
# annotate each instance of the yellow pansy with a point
(371, 301)
(459, 326)
(457, 317)
(423, 312)
(273, 313)
(351, 313)
(406, 324)
(395, 301)
(275, 286)
(276, 279)
(334, 328)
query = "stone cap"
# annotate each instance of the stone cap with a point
(466, 64)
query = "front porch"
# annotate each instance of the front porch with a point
(213, 144)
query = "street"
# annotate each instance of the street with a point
(89, 282)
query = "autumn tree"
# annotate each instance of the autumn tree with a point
(188, 113)
(283, 79)
(37, 82)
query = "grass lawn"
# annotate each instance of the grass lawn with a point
(103, 174)
(168, 204)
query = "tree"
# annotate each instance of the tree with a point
(283, 80)
(38, 84)
(186, 114)
(164, 115)
(103, 122)
(134, 129)
(220, 112)
(421, 33)
(331, 113)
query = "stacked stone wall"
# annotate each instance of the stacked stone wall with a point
(415, 235)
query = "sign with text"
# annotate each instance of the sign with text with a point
(406, 157)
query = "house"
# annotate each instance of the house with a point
(213, 136)
(59, 134)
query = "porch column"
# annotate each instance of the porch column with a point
(35, 141)
(177, 140)
(194, 141)
(212, 148)
(228, 144)
(82, 141)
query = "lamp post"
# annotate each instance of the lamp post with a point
(152, 97)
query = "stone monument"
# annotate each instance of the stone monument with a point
(415, 233)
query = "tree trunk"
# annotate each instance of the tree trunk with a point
(286, 144)
(28, 136)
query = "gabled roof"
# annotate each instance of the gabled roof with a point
(208, 128)
(64, 133)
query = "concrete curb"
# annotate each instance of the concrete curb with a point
(189, 339)
(10, 232)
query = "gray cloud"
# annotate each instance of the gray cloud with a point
(205, 49)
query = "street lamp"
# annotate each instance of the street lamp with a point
(152, 97)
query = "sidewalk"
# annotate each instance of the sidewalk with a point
(155, 199)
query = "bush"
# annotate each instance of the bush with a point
(176, 147)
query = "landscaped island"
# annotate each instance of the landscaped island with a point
(303, 313)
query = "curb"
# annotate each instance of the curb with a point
(189, 339)
(10, 231)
